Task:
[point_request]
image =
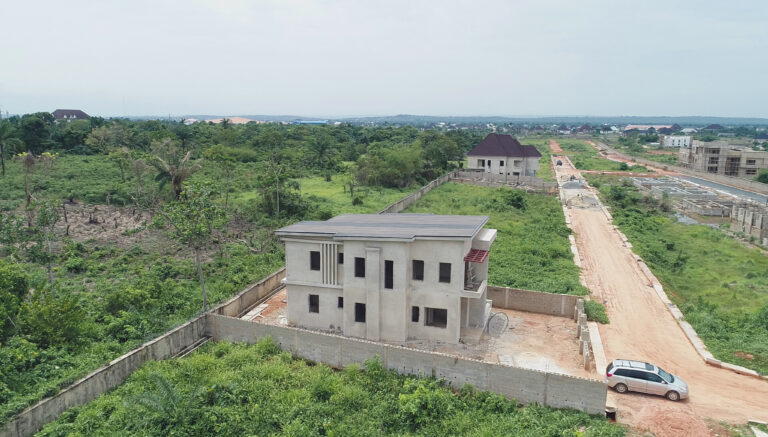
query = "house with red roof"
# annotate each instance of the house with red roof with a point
(504, 155)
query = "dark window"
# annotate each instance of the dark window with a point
(340, 258)
(436, 317)
(314, 260)
(341, 302)
(360, 312)
(414, 314)
(621, 372)
(389, 266)
(501, 163)
(314, 303)
(636, 374)
(418, 270)
(360, 267)
(445, 272)
(652, 377)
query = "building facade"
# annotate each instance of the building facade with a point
(675, 140)
(390, 277)
(720, 157)
(752, 220)
(504, 155)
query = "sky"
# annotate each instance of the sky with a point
(334, 58)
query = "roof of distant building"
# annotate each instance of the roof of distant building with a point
(648, 126)
(503, 145)
(233, 120)
(388, 226)
(66, 114)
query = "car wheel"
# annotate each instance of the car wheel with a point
(673, 396)
(620, 388)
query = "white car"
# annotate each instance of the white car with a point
(641, 377)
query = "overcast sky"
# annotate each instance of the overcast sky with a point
(342, 57)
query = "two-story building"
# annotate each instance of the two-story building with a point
(504, 155)
(391, 277)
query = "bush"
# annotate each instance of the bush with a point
(595, 311)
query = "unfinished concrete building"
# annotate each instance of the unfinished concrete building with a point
(391, 277)
(752, 220)
(720, 157)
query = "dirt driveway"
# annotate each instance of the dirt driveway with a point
(642, 328)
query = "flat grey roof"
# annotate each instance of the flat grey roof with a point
(395, 226)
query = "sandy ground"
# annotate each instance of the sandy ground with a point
(642, 328)
(531, 341)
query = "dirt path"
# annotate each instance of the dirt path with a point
(642, 328)
(554, 146)
(613, 157)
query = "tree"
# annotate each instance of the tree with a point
(172, 164)
(35, 132)
(323, 155)
(29, 161)
(122, 159)
(192, 220)
(763, 176)
(47, 217)
(8, 140)
(14, 286)
(223, 158)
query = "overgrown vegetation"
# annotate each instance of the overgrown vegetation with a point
(595, 311)
(720, 285)
(585, 157)
(531, 251)
(231, 390)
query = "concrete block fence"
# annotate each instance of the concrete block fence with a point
(524, 385)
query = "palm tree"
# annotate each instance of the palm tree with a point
(7, 140)
(172, 164)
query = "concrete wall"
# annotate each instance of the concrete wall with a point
(496, 180)
(410, 199)
(245, 299)
(533, 301)
(104, 379)
(524, 385)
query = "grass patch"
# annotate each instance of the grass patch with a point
(585, 157)
(531, 250)
(231, 390)
(595, 311)
(720, 285)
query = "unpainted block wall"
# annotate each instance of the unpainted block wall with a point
(533, 301)
(104, 379)
(524, 385)
(237, 305)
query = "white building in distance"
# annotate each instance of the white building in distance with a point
(675, 140)
(391, 277)
(502, 154)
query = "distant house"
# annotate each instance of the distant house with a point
(69, 115)
(675, 140)
(585, 128)
(712, 128)
(502, 154)
(651, 128)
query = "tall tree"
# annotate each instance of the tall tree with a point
(47, 217)
(172, 164)
(226, 162)
(8, 140)
(323, 155)
(192, 220)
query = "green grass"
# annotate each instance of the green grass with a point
(531, 250)
(585, 157)
(645, 152)
(545, 164)
(226, 389)
(720, 285)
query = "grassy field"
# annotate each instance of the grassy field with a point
(720, 285)
(531, 251)
(646, 152)
(232, 390)
(586, 157)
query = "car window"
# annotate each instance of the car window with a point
(666, 376)
(621, 372)
(637, 374)
(654, 377)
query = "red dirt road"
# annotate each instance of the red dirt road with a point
(554, 146)
(642, 328)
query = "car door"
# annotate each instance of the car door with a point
(655, 384)
(636, 380)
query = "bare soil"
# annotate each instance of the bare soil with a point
(642, 328)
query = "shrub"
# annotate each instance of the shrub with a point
(595, 311)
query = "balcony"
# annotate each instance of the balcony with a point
(474, 290)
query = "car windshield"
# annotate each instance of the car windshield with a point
(666, 376)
